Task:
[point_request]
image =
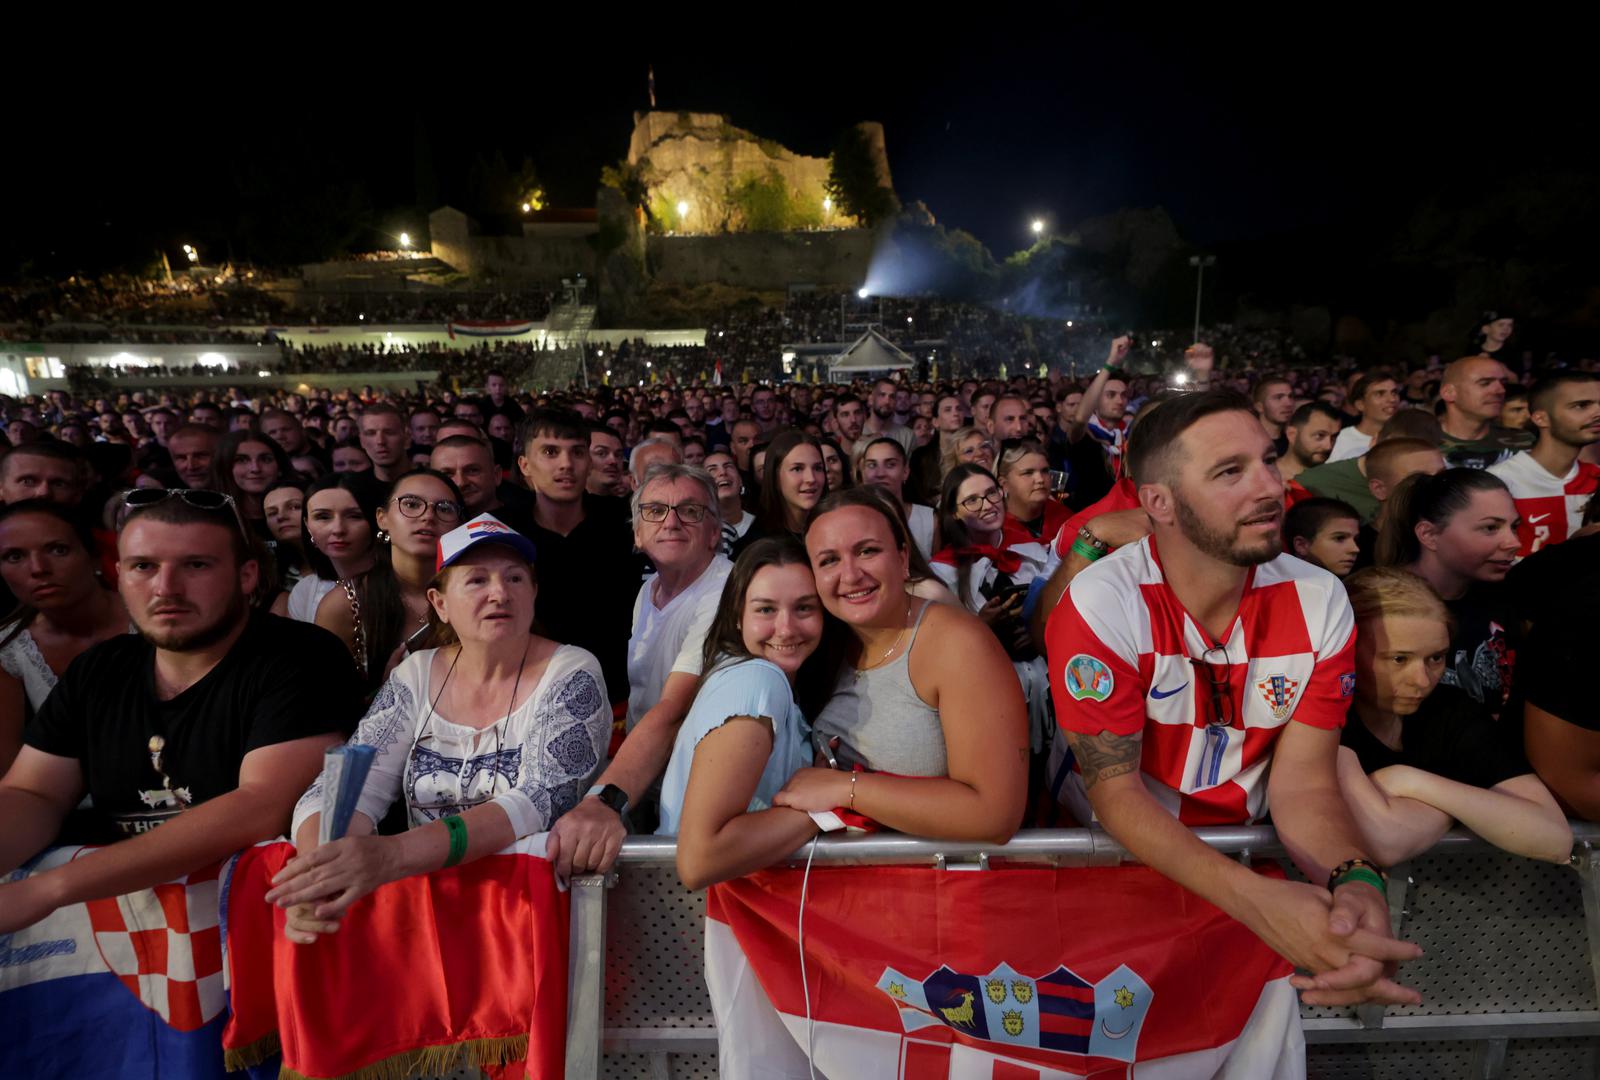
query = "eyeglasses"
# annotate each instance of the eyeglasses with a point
(690, 513)
(1220, 688)
(973, 503)
(136, 499)
(412, 506)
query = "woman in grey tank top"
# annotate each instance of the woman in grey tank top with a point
(929, 718)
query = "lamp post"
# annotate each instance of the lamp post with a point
(1037, 226)
(1199, 262)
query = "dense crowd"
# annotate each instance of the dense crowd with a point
(1358, 601)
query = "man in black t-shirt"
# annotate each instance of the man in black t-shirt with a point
(209, 723)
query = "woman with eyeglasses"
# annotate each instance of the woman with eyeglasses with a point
(1417, 755)
(484, 740)
(968, 446)
(338, 530)
(1024, 474)
(382, 615)
(64, 606)
(882, 461)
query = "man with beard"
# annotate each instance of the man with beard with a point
(1199, 674)
(882, 420)
(849, 420)
(1274, 400)
(206, 724)
(1309, 434)
(1550, 485)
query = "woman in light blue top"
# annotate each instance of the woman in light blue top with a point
(772, 655)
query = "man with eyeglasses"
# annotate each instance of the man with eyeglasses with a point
(207, 723)
(1200, 674)
(677, 525)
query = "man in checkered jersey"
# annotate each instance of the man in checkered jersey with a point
(1200, 675)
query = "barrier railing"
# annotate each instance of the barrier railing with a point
(1510, 977)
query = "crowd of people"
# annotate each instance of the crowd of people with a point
(1356, 603)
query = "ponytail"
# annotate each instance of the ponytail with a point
(1418, 498)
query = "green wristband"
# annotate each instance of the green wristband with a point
(458, 840)
(1361, 873)
(1090, 553)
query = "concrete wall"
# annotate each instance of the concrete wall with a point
(763, 260)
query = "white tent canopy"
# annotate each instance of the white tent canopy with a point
(871, 352)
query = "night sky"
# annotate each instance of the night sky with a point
(1244, 130)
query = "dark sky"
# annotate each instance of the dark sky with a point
(1243, 129)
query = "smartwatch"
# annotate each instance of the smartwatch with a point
(611, 795)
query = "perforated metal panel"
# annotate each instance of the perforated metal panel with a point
(655, 953)
(1526, 1059)
(659, 1067)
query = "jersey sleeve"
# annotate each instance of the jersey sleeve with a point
(1333, 676)
(1094, 660)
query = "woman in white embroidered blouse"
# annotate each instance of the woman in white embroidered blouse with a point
(488, 740)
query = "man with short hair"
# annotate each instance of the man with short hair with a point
(1093, 463)
(678, 527)
(1274, 401)
(1201, 674)
(424, 427)
(1376, 397)
(849, 421)
(163, 422)
(209, 723)
(764, 407)
(745, 432)
(469, 463)
(927, 463)
(383, 437)
(588, 572)
(607, 462)
(467, 409)
(207, 414)
(1309, 434)
(656, 450)
(1474, 393)
(191, 448)
(1011, 418)
(881, 420)
(1550, 485)
(284, 429)
(44, 470)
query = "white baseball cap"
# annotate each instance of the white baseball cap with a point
(483, 529)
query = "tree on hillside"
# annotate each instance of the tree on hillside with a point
(853, 181)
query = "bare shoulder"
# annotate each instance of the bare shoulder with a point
(953, 641)
(334, 613)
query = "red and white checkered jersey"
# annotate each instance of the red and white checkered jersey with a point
(1125, 655)
(1551, 507)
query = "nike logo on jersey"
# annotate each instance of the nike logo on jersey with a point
(1536, 518)
(1159, 694)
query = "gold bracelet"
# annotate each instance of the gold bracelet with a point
(852, 805)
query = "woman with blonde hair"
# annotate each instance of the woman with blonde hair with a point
(1417, 755)
(968, 446)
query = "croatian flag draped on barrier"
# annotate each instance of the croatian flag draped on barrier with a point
(489, 329)
(1004, 974)
(466, 966)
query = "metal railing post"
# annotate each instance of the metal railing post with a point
(586, 975)
(1586, 862)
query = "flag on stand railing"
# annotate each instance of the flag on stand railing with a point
(460, 967)
(129, 987)
(1004, 974)
(489, 328)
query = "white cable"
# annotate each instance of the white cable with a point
(800, 936)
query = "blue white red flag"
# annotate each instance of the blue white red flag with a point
(130, 987)
(489, 329)
(1008, 974)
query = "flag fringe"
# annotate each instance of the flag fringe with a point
(431, 1060)
(253, 1054)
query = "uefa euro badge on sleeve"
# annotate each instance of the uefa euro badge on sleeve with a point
(346, 769)
(1088, 679)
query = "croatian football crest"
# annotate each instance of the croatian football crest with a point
(1058, 1011)
(1278, 692)
(1088, 679)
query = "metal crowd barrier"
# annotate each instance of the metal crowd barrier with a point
(1510, 978)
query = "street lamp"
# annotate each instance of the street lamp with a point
(827, 206)
(527, 208)
(862, 292)
(683, 209)
(1038, 226)
(405, 240)
(1199, 262)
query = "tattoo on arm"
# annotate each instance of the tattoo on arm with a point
(1105, 755)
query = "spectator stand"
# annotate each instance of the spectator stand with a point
(1509, 976)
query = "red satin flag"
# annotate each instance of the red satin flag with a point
(466, 966)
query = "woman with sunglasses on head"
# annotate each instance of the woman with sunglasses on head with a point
(1023, 471)
(1416, 755)
(927, 704)
(882, 461)
(487, 739)
(383, 614)
(338, 531)
(64, 606)
(1457, 530)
